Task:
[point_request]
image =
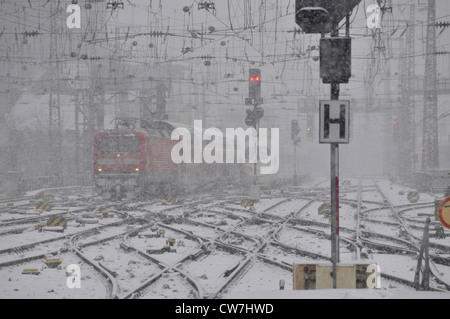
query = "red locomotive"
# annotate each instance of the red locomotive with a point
(137, 163)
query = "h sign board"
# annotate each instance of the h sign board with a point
(334, 122)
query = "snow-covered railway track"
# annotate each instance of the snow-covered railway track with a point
(221, 231)
(29, 253)
(210, 246)
(438, 252)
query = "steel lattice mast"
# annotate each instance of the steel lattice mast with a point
(55, 131)
(430, 159)
(89, 92)
(407, 123)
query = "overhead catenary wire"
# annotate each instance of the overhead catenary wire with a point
(270, 36)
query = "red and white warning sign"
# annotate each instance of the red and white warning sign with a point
(444, 213)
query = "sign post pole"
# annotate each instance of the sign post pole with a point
(295, 140)
(295, 163)
(334, 130)
(321, 17)
(334, 148)
(334, 183)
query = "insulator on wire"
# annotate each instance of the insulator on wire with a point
(187, 50)
(156, 33)
(115, 5)
(206, 5)
(31, 33)
(295, 31)
(442, 25)
(441, 52)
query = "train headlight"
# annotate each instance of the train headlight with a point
(100, 170)
(118, 155)
(137, 169)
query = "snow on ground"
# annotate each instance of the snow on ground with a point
(169, 286)
(266, 203)
(205, 232)
(50, 283)
(339, 294)
(285, 255)
(31, 235)
(182, 248)
(392, 192)
(26, 212)
(287, 207)
(396, 265)
(130, 267)
(260, 281)
(389, 230)
(262, 277)
(211, 270)
(254, 229)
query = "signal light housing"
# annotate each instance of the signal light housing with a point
(335, 60)
(294, 129)
(395, 129)
(310, 127)
(255, 83)
(321, 16)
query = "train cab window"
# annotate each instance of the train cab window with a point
(165, 134)
(118, 144)
(153, 132)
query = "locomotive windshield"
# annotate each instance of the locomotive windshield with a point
(118, 144)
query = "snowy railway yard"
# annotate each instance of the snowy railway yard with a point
(210, 246)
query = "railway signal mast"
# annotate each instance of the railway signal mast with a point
(322, 17)
(296, 139)
(255, 115)
(255, 99)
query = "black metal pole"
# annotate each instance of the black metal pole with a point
(334, 185)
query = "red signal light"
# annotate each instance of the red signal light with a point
(252, 79)
(395, 122)
(257, 79)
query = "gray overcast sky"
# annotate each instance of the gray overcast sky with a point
(237, 35)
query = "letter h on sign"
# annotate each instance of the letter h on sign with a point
(334, 122)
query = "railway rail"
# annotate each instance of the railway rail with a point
(177, 242)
